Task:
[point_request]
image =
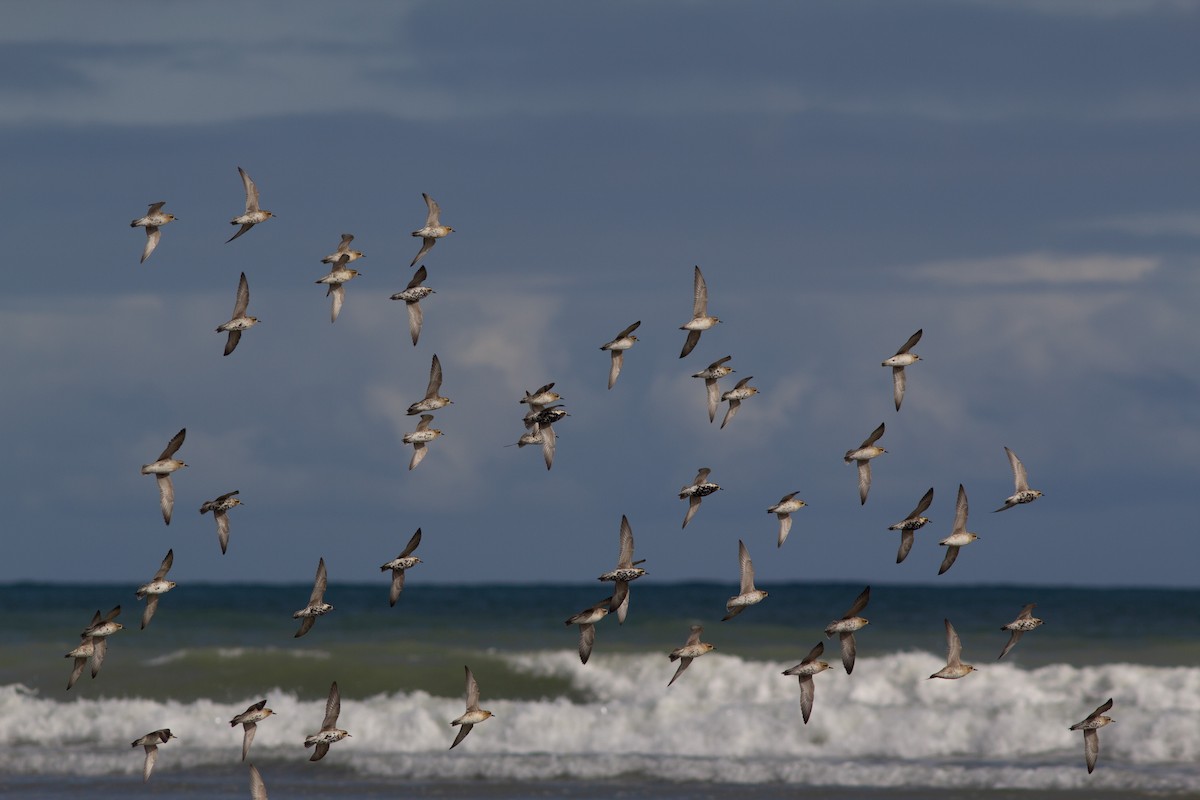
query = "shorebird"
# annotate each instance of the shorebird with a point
(315, 608)
(711, 374)
(248, 719)
(94, 644)
(747, 595)
(1024, 622)
(329, 732)
(954, 667)
(540, 398)
(693, 648)
(622, 342)
(1091, 740)
(158, 585)
(412, 296)
(343, 249)
(161, 469)
(586, 620)
(239, 321)
(911, 524)
(863, 455)
(151, 741)
(847, 625)
(254, 214)
(155, 218)
(627, 570)
(804, 671)
(338, 276)
(258, 789)
(700, 320)
(898, 362)
(220, 511)
(959, 535)
(695, 491)
(432, 401)
(474, 714)
(406, 560)
(433, 230)
(735, 396)
(419, 437)
(1021, 492)
(535, 436)
(540, 421)
(783, 510)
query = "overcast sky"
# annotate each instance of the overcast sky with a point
(1019, 179)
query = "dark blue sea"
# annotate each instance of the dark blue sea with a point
(611, 728)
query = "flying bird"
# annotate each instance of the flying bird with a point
(419, 438)
(329, 732)
(94, 643)
(711, 374)
(315, 608)
(406, 560)
(695, 492)
(805, 671)
(254, 214)
(700, 320)
(433, 230)
(959, 536)
(432, 401)
(343, 249)
(586, 620)
(783, 510)
(155, 218)
(1091, 740)
(412, 296)
(335, 282)
(911, 524)
(863, 455)
(1021, 493)
(473, 715)
(735, 396)
(898, 362)
(627, 570)
(220, 510)
(693, 648)
(249, 720)
(747, 595)
(239, 321)
(1024, 623)
(151, 741)
(158, 585)
(622, 342)
(847, 625)
(161, 469)
(954, 667)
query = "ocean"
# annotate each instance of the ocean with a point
(611, 728)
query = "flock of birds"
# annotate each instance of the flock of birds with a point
(544, 411)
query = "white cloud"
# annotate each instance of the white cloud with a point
(1167, 223)
(1039, 268)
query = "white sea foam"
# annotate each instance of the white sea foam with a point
(237, 652)
(725, 719)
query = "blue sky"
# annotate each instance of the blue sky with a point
(1017, 178)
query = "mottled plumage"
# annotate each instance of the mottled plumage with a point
(150, 742)
(433, 230)
(254, 214)
(399, 564)
(622, 342)
(248, 719)
(158, 585)
(220, 508)
(693, 648)
(1091, 740)
(954, 667)
(432, 400)
(316, 605)
(711, 374)
(846, 627)
(1024, 622)
(783, 510)
(911, 524)
(805, 671)
(627, 570)
(419, 438)
(329, 732)
(412, 296)
(1021, 491)
(735, 396)
(695, 491)
(700, 320)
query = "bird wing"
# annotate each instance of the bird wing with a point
(814, 654)
(76, 671)
(702, 475)
(427, 244)
(423, 425)
(165, 567)
(549, 442)
(1012, 641)
(807, 693)
(472, 691)
(347, 238)
(684, 663)
(906, 542)
(418, 277)
(415, 317)
(319, 751)
(953, 645)
(333, 707)
(629, 330)
(1107, 705)
(435, 378)
(432, 220)
(926, 499)
(339, 297)
(948, 561)
(689, 344)
(734, 405)
(99, 650)
(1020, 479)
(251, 193)
(860, 603)
(155, 207)
(305, 626)
(319, 584)
(693, 507)
(864, 481)
(232, 342)
(152, 756)
(747, 568)
(166, 496)
(419, 453)
(618, 361)
(587, 638)
(898, 383)
(874, 437)
(245, 227)
(848, 651)
(250, 728)
(174, 445)
(911, 343)
(258, 790)
(412, 544)
(151, 607)
(960, 511)
(620, 601)
(153, 234)
(1027, 611)
(625, 556)
(222, 519)
(243, 298)
(714, 397)
(1091, 748)
(462, 734)
(397, 586)
(700, 296)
